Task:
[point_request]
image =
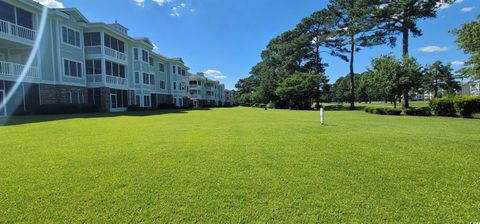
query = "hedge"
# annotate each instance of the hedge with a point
(466, 106)
(443, 107)
(383, 111)
(422, 111)
(67, 109)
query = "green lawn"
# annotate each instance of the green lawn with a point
(239, 165)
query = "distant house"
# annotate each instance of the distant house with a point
(207, 92)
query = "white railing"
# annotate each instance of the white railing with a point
(115, 54)
(95, 78)
(93, 49)
(14, 69)
(15, 30)
(115, 80)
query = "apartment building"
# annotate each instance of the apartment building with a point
(206, 92)
(81, 62)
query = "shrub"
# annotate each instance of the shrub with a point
(137, 108)
(443, 107)
(370, 110)
(381, 111)
(164, 106)
(466, 105)
(423, 111)
(67, 109)
(392, 111)
(332, 107)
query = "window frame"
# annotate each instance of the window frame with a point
(75, 32)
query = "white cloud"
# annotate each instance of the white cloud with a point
(431, 49)
(467, 9)
(442, 6)
(140, 3)
(51, 3)
(176, 9)
(215, 74)
(457, 62)
(155, 47)
(162, 2)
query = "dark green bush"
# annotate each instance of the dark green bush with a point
(392, 111)
(137, 108)
(466, 106)
(423, 111)
(381, 111)
(67, 109)
(443, 107)
(370, 110)
(164, 106)
(332, 107)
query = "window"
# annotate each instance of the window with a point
(76, 98)
(144, 55)
(174, 69)
(146, 78)
(114, 43)
(137, 100)
(115, 69)
(183, 72)
(150, 60)
(162, 84)
(7, 12)
(146, 100)
(162, 67)
(179, 70)
(70, 36)
(91, 39)
(137, 77)
(152, 79)
(72, 68)
(94, 67)
(24, 18)
(174, 85)
(135, 54)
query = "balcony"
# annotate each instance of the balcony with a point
(115, 54)
(16, 32)
(12, 71)
(107, 51)
(106, 80)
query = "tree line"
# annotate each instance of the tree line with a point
(292, 75)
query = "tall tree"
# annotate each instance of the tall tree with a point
(299, 89)
(439, 77)
(355, 29)
(387, 74)
(401, 17)
(468, 39)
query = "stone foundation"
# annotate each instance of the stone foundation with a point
(59, 94)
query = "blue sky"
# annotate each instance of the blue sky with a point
(226, 37)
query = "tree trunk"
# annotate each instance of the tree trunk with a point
(394, 103)
(352, 78)
(317, 62)
(405, 34)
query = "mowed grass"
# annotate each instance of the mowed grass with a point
(240, 165)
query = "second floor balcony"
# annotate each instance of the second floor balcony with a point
(102, 50)
(107, 81)
(16, 33)
(12, 71)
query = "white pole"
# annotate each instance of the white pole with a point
(322, 116)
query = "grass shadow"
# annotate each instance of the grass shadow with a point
(19, 120)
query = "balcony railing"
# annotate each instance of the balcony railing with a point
(108, 80)
(11, 69)
(115, 80)
(115, 54)
(14, 30)
(107, 51)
